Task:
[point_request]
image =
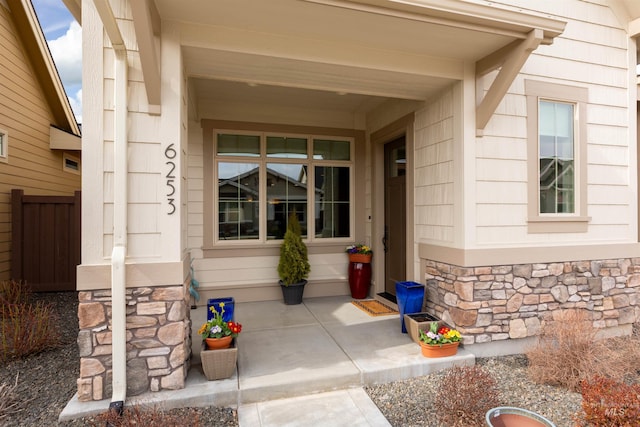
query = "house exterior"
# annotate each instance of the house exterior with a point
(39, 136)
(485, 149)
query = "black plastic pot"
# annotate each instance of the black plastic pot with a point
(292, 293)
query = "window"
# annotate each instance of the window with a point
(556, 155)
(263, 177)
(4, 145)
(556, 149)
(70, 163)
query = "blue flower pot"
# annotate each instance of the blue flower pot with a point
(227, 316)
(410, 297)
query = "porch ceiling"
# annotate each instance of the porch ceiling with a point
(339, 55)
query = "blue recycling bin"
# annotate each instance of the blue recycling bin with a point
(227, 316)
(410, 296)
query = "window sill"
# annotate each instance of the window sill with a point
(558, 224)
(255, 250)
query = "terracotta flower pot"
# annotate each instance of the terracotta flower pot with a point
(509, 416)
(439, 350)
(363, 258)
(218, 343)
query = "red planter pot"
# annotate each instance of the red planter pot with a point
(359, 279)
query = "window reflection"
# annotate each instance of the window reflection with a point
(286, 193)
(332, 201)
(263, 179)
(238, 197)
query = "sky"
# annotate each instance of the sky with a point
(64, 36)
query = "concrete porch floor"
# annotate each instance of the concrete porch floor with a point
(314, 357)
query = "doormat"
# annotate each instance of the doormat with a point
(374, 307)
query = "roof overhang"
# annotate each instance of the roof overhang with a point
(478, 16)
(401, 49)
(37, 51)
(62, 140)
(380, 48)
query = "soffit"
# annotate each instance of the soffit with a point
(388, 25)
(365, 48)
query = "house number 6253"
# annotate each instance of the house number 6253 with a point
(170, 153)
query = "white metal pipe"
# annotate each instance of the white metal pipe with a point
(120, 197)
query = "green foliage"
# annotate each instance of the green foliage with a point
(294, 262)
(606, 402)
(25, 327)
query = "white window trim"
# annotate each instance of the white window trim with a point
(562, 222)
(4, 142)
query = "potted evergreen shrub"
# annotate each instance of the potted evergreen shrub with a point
(293, 267)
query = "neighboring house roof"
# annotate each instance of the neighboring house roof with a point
(65, 131)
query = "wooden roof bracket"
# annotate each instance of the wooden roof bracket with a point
(510, 60)
(146, 22)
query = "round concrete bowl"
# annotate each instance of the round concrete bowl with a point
(507, 416)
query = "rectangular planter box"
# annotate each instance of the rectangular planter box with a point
(417, 322)
(229, 304)
(219, 364)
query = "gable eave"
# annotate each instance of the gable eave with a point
(37, 51)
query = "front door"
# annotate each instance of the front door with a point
(395, 207)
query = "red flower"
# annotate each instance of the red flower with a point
(443, 330)
(236, 328)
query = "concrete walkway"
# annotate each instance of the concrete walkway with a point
(302, 365)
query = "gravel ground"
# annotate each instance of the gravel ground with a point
(408, 403)
(47, 381)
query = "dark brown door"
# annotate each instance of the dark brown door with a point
(395, 208)
(45, 240)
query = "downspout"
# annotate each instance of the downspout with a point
(119, 253)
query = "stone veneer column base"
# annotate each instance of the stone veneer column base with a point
(158, 340)
(501, 302)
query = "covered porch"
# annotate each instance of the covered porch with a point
(191, 74)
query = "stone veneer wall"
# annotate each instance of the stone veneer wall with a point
(511, 301)
(158, 341)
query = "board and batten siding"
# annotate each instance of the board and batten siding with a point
(26, 116)
(153, 234)
(590, 53)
